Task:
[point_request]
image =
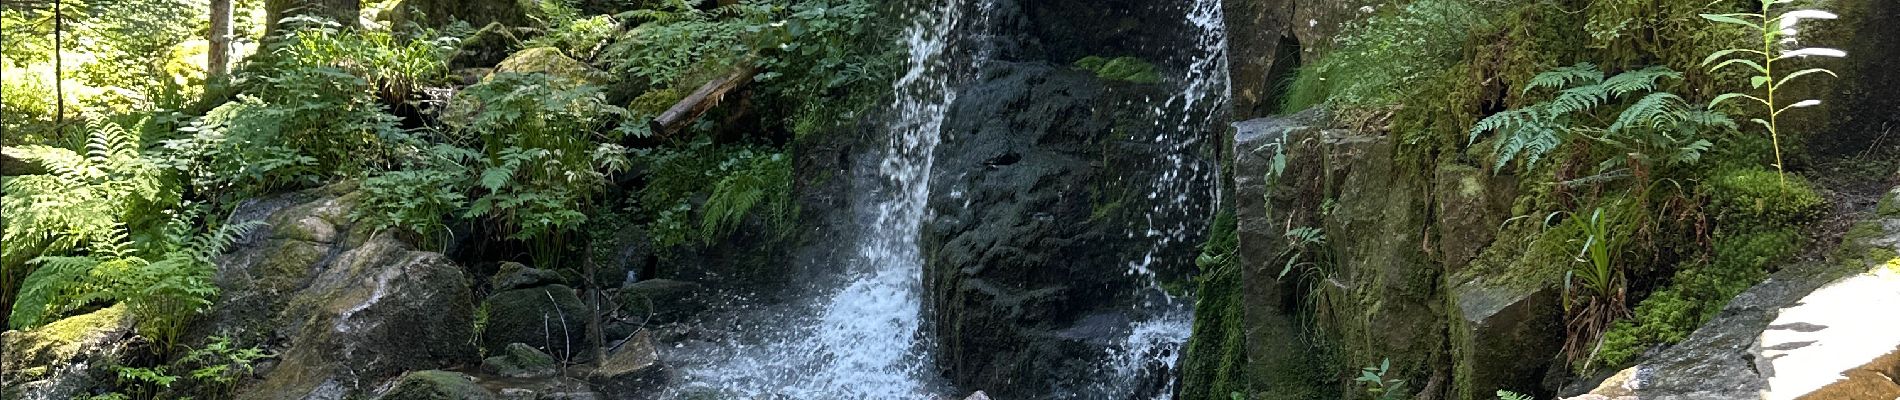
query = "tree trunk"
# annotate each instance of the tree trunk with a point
(345, 12)
(218, 58)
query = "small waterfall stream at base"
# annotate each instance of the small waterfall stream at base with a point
(863, 340)
(1157, 339)
(865, 337)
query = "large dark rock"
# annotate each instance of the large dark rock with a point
(1858, 108)
(1041, 175)
(345, 308)
(550, 318)
(68, 358)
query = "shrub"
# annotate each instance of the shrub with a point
(540, 147)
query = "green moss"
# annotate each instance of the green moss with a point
(1889, 205)
(1755, 196)
(1216, 353)
(1306, 89)
(436, 385)
(1128, 69)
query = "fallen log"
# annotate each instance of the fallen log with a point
(700, 101)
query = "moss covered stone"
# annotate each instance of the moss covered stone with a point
(436, 385)
(1127, 69)
(66, 358)
(520, 361)
(549, 60)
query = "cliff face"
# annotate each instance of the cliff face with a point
(1427, 261)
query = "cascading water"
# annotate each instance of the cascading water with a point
(862, 340)
(1155, 341)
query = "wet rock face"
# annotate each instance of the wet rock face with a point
(1448, 323)
(1035, 187)
(551, 318)
(346, 309)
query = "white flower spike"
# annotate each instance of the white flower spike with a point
(1814, 52)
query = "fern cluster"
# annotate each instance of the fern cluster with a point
(1655, 125)
(84, 202)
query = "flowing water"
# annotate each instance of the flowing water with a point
(864, 340)
(1144, 363)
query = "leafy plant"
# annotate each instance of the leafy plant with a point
(419, 199)
(751, 180)
(83, 203)
(1391, 54)
(1656, 128)
(1594, 288)
(219, 365)
(1776, 30)
(1373, 379)
(1510, 395)
(542, 146)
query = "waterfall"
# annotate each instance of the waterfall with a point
(1144, 363)
(865, 339)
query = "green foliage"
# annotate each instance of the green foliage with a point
(1658, 129)
(829, 59)
(420, 198)
(576, 36)
(1128, 69)
(747, 181)
(751, 180)
(675, 39)
(163, 285)
(1596, 275)
(1388, 57)
(1758, 225)
(84, 203)
(542, 147)
(1760, 61)
(390, 66)
(318, 110)
(219, 365)
(1510, 395)
(1372, 378)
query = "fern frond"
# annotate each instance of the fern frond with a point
(39, 292)
(1565, 76)
(1643, 80)
(1653, 111)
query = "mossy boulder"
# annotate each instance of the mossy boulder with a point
(514, 275)
(346, 308)
(486, 47)
(520, 361)
(1507, 311)
(436, 14)
(549, 318)
(436, 385)
(64, 359)
(551, 61)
